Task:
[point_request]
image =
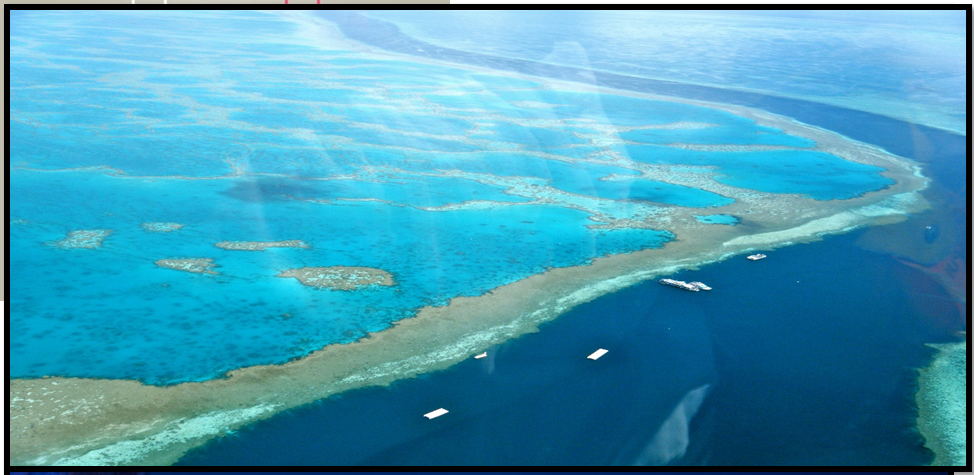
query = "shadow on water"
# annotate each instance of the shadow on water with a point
(262, 190)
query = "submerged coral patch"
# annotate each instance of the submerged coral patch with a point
(258, 245)
(82, 239)
(942, 406)
(161, 227)
(340, 277)
(198, 266)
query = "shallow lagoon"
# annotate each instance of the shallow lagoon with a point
(235, 319)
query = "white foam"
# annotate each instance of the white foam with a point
(180, 431)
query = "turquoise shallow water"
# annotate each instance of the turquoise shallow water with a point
(301, 136)
(114, 305)
(737, 132)
(718, 219)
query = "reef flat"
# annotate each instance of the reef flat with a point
(258, 245)
(101, 421)
(340, 277)
(82, 239)
(131, 426)
(197, 266)
(942, 403)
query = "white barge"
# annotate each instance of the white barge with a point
(437, 413)
(681, 284)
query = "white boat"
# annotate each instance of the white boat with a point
(598, 354)
(700, 285)
(756, 257)
(482, 355)
(681, 284)
(437, 413)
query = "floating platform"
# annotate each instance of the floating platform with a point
(700, 285)
(598, 354)
(437, 413)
